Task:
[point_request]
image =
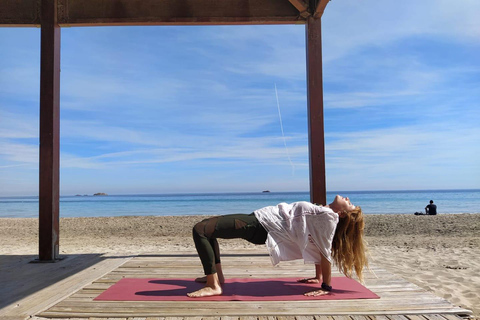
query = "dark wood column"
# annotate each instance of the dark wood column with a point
(316, 134)
(49, 132)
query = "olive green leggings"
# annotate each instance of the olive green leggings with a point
(232, 226)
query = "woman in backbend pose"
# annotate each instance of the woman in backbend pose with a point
(318, 234)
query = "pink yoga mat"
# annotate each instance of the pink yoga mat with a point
(245, 289)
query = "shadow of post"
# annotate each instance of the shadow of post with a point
(19, 278)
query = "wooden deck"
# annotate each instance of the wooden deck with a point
(66, 290)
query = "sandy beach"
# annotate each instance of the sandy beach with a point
(439, 253)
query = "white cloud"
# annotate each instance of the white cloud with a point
(17, 126)
(406, 157)
(19, 152)
(99, 131)
(22, 82)
(350, 24)
(215, 150)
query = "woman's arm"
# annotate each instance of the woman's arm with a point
(326, 267)
(326, 273)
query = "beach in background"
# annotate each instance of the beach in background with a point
(372, 202)
(438, 253)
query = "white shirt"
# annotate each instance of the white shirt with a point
(298, 230)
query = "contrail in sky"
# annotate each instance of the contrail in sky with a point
(283, 135)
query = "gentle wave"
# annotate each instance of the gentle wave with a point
(372, 202)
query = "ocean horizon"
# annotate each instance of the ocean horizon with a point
(179, 204)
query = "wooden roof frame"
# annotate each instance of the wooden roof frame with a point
(51, 15)
(27, 13)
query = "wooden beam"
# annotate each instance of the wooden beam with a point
(15, 13)
(157, 12)
(301, 6)
(176, 12)
(316, 134)
(49, 132)
(320, 8)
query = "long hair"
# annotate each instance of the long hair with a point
(348, 247)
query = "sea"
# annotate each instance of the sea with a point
(372, 202)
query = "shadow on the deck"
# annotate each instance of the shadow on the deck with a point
(20, 278)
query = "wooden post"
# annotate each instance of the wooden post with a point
(316, 134)
(49, 133)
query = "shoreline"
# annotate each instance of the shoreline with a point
(438, 253)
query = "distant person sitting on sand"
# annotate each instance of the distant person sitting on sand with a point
(318, 234)
(431, 209)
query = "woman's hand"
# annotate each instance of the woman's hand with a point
(316, 293)
(309, 280)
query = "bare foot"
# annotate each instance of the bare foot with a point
(204, 279)
(206, 292)
(309, 280)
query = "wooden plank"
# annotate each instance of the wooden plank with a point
(316, 132)
(301, 6)
(359, 304)
(236, 308)
(434, 317)
(448, 317)
(81, 271)
(157, 312)
(397, 317)
(24, 279)
(304, 318)
(415, 317)
(63, 289)
(322, 4)
(173, 12)
(49, 200)
(359, 317)
(14, 13)
(152, 12)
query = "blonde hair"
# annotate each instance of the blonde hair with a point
(348, 247)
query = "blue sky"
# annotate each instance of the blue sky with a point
(194, 109)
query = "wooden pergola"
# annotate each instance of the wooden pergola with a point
(51, 15)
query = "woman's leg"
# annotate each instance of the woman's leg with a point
(209, 267)
(206, 244)
(208, 251)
